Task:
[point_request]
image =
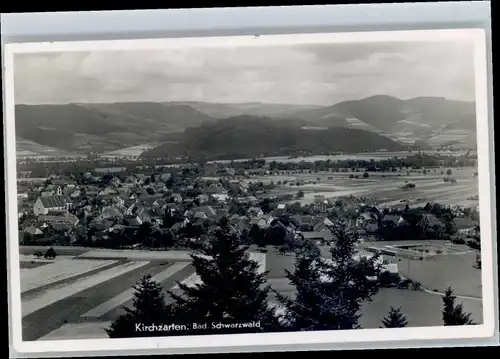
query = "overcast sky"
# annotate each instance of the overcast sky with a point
(314, 74)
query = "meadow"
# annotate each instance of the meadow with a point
(385, 188)
(341, 157)
(133, 151)
(30, 149)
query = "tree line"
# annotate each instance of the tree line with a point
(415, 161)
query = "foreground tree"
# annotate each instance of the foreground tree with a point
(330, 292)
(453, 314)
(306, 311)
(231, 289)
(148, 308)
(395, 319)
(258, 236)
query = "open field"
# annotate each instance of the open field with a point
(357, 156)
(441, 271)
(138, 255)
(30, 149)
(59, 271)
(421, 308)
(385, 188)
(134, 151)
(82, 306)
(86, 330)
(32, 264)
(40, 300)
(102, 253)
(61, 250)
(31, 258)
(128, 295)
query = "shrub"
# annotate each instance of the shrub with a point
(458, 240)
(474, 244)
(50, 254)
(405, 284)
(388, 279)
(416, 285)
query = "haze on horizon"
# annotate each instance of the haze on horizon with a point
(319, 74)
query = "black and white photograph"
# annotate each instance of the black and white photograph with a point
(246, 185)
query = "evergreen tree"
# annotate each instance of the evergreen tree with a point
(351, 277)
(306, 311)
(149, 308)
(453, 314)
(231, 289)
(258, 236)
(330, 293)
(395, 319)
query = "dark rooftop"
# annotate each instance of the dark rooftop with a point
(53, 201)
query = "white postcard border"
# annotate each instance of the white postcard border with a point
(485, 179)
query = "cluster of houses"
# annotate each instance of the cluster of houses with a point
(122, 206)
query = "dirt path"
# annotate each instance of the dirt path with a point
(457, 296)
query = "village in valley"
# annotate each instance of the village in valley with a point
(218, 190)
(151, 212)
(177, 202)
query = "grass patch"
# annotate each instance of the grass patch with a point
(32, 264)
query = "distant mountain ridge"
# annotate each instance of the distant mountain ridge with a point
(417, 119)
(227, 110)
(106, 127)
(103, 127)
